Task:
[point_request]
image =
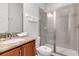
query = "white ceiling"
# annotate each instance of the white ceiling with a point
(50, 7)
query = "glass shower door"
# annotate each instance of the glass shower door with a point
(66, 40)
(43, 26)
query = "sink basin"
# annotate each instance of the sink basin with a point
(12, 41)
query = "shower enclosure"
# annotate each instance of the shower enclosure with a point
(46, 28)
(63, 35)
(67, 20)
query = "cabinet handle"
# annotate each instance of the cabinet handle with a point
(20, 52)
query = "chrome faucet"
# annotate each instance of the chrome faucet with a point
(7, 35)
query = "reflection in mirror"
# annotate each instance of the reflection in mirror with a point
(11, 18)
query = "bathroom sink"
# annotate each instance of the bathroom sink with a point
(12, 41)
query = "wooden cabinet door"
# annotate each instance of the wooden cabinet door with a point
(14, 52)
(29, 49)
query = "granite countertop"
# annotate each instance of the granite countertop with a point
(5, 47)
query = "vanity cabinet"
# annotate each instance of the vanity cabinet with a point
(13, 52)
(27, 49)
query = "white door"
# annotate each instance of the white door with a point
(15, 17)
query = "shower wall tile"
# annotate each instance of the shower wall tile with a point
(43, 24)
(50, 30)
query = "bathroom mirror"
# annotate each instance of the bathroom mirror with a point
(11, 17)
